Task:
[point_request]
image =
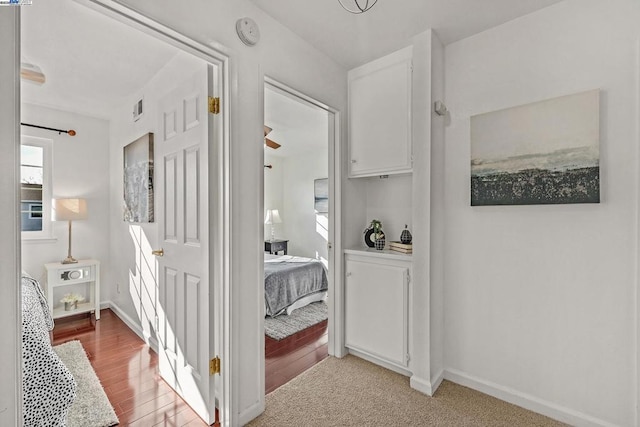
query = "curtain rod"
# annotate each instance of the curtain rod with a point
(70, 132)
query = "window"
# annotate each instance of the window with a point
(35, 211)
(35, 188)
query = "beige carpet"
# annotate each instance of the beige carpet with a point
(354, 392)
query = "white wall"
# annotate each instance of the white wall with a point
(273, 191)
(540, 301)
(80, 169)
(389, 200)
(284, 57)
(299, 220)
(288, 187)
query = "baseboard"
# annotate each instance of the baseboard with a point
(525, 400)
(425, 386)
(421, 385)
(437, 380)
(380, 362)
(132, 324)
(251, 413)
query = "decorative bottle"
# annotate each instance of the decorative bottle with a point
(405, 236)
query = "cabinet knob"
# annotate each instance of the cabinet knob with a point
(158, 252)
(354, 161)
(348, 274)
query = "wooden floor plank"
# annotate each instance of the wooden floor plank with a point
(128, 371)
(289, 357)
(128, 368)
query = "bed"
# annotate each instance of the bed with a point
(291, 282)
(49, 388)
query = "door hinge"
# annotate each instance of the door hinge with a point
(214, 105)
(214, 366)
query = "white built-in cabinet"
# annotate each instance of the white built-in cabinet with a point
(380, 116)
(377, 306)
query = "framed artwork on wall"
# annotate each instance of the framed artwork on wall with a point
(138, 180)
(321, 195)
(547, 152)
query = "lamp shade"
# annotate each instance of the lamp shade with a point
(272, 217)
(69, 209)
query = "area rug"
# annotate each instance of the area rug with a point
(353, 392)
(283, 326)
(91, 407)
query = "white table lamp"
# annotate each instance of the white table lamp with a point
(272, 217)
(69, 210)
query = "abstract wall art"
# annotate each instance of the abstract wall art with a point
(138, 180)
(547, 152)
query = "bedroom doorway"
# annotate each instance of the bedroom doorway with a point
(132, 291)
(299, 217)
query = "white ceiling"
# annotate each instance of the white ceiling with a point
(91, 62)
(353, 40)
(297, 126)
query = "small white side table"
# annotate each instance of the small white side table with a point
(85, 273)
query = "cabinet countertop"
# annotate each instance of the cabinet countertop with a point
(372, 252)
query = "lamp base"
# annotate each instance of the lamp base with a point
(69, 260)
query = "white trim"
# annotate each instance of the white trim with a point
(132, 324)
(336, 299)
(525, 400)
(215, 54)
(436, 380)
(34, 240)
(380, 362)
(250, 413)
(425, 386)
(47, 187)
(336, 314)
(636, 248)
(10, 245)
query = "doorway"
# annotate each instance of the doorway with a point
(300, 216)
(135, 292)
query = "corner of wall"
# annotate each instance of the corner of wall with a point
(427, 387)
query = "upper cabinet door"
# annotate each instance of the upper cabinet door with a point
(380, 116)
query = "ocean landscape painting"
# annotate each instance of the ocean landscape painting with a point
(546, 152)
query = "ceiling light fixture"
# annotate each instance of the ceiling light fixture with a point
(361, 6)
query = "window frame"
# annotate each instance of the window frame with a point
(35, 213)
(47, 191)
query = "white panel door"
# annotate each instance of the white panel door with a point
(185, 327)
(376, 310)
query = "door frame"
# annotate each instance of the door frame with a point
(336, 291)
(10, 247)
(220, 208)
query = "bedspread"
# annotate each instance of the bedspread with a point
(288, 279)
(49, 387)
